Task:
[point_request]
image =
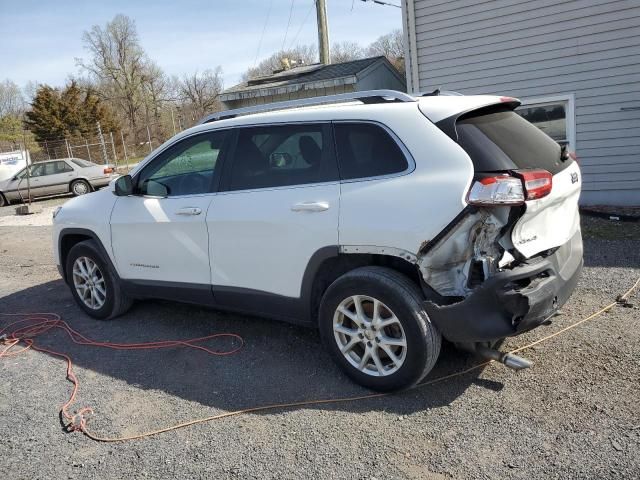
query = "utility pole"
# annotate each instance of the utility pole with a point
(323, 32)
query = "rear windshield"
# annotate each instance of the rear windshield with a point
(502, 140)
(81, 163)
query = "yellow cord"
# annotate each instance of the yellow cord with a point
(278, 406)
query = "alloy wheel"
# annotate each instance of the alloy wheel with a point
(89, 283)
(369, 335)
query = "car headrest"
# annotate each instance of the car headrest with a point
(310, 150)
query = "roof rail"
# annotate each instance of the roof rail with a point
(366, 96)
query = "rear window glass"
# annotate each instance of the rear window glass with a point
(503, 140)
(81, 163)
(367, 150)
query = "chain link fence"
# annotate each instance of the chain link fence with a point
(113, 148)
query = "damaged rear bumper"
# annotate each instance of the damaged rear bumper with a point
(514, 300)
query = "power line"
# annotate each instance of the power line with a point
(380, 2)
(286, 32)
(262, 35)
(303, 23)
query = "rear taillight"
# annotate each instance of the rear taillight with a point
(537, 183)
(108, 170)
(499, 190)
(507, 189)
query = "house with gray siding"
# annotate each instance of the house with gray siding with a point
(315, 80)
(574, 64)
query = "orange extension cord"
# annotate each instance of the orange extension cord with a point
(39, 323)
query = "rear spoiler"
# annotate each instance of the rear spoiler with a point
(448, 124)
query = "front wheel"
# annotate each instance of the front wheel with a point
(94, 285)
(373, 323)
(3, 201)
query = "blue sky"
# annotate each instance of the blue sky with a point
(41, 39)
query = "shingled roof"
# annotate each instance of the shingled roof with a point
(304, 77)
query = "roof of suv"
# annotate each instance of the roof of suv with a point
(366, 105)
(435, 106)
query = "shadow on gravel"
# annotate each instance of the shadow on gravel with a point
(279, 362)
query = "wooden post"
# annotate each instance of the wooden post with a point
(124, 149)
(113, 147)
(323, 32)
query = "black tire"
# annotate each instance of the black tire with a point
(79, 184)
(404, 299)
(116, 301)
(3, 201)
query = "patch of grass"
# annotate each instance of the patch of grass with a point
(601, 228)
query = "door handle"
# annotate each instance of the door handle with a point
(189, 211)
(310, 207)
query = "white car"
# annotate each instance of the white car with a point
(388, 221)
(53, 177)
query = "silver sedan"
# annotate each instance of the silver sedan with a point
(53, 177)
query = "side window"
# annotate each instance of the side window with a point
(186, 168)
(61, 167)
(282, 155)
(367, 150)
(40, 169)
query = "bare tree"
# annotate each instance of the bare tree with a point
(299, 54)
(11, 99)
(199, 92)
(391, 46)
(119, 64)
(346, 51)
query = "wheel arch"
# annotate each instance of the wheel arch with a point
(329, 263)
(69, 237)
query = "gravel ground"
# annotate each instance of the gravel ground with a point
(574, 414)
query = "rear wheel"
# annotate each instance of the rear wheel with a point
(80, 187)
(373, 323)
(94, 285)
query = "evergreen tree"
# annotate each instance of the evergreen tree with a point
(72, 112)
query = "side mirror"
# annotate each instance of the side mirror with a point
(123, 186)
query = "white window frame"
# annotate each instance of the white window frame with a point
(570, 111)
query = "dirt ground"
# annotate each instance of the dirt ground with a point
(574, 414)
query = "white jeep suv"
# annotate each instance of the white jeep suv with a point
(386, 220)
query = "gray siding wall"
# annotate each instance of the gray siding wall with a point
(380, 77)
(530, 49)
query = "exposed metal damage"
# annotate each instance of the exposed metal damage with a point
(471, 252)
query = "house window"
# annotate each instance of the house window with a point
(555, 116)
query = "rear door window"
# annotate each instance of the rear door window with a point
(282, 155)
(367, 150)
(502, 140)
